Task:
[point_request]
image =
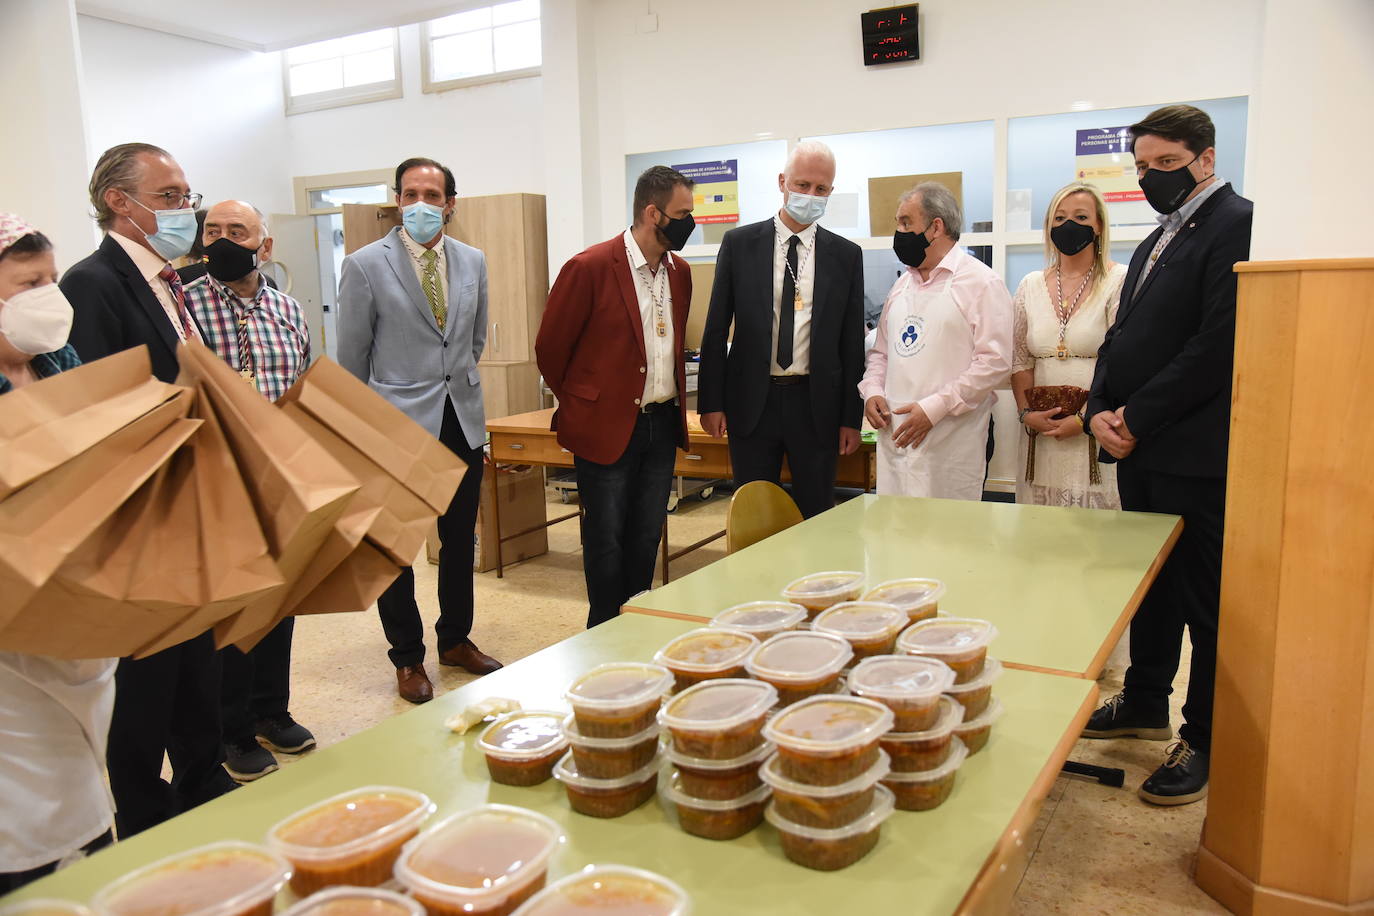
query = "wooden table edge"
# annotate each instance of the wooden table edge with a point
(671, 615)
(1114, 635)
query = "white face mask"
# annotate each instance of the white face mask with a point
(36, 320)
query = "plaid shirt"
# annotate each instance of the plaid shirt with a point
(272, 324)
(46, 364)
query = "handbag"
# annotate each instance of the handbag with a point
(1067, 400)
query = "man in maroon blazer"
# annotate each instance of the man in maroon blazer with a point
(610, 349)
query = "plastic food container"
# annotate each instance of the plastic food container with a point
(821, 590)
(828, 740)
(44, 906)
(800, 664)
(920, 598)
(909, 685)
(974, 733)
(221, 879)
(606, 797)
(522, 747)
(480, 862)
(823, 806)
(706, 653)
(720, 719)
(609, 890)
(352, 838)
(913, 752)
(717, 819)
(618, 699)
(870, 627)
(719, 779)
(761, 619)
(357, 901)
(928, 789)
(960, 642)
(975, 694)
(610, 758)
(828, 850)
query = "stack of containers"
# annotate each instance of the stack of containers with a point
(612, 767)
(800, 664)
(920, 598)
(828, 805)
(523, 747)
(716, 743)
(761, 619)
(706, 653)
(822, 590)
(962, 644)
(869, 627)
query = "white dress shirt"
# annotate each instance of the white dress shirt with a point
(149, 266)
(654, 292)
(417, 254)
(806, 280)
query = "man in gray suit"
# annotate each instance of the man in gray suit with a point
(412, 324)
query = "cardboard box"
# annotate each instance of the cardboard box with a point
(522, 506)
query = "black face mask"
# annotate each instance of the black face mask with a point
(229, 261)
(678, 231)
(1166, 191)
(911, 246)
(1071, 237)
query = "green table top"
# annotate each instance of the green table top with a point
(1060, 584)
(924, 863)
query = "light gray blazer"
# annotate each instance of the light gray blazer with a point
(388, 336)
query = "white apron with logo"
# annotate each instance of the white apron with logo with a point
(929, 344)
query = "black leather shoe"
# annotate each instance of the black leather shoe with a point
(284, 734)
(1117, 718)
(247, 760)
(1181, 780)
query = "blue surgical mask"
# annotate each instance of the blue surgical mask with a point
(805, 208)
(423, 221)
(176, 230)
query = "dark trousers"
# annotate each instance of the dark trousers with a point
(624, 506)
(168, 702)
(457, 527)
(1186, 593)
(787, 428)
(13, 880)
(256, 684)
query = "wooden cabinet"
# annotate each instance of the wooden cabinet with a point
(510, 230)
(509, 387)
(364, 224)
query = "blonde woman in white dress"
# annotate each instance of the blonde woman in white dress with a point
(1061, 316)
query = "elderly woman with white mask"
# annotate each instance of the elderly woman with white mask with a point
(54, 713)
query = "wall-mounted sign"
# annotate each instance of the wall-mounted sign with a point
(890, 35)
(716, 191)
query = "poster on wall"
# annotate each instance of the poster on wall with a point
(717, 190)
(1102, 156)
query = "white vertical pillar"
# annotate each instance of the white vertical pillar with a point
(571, 169)
(44, 169)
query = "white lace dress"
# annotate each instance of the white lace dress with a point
(1061, 467)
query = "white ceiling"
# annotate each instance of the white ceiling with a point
(269, 25)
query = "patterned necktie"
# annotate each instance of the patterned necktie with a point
(787, 306)
(169, 276)
(430, 281)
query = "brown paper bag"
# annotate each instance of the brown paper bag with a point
(50, 422)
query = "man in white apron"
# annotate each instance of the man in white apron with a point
(944, 344)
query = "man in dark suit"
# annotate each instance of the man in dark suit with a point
(126, 295)
(610, 349)
(789, 386)
(1161, 407)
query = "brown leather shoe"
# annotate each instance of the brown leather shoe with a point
(470, 658)
(413, 684)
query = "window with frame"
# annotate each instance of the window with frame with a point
(482, 45)
(342, 71)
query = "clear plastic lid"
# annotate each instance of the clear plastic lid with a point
(861, 620)
(619, 685)
(957, 754)
(771, 775)
(900, 677)
(524, 735)
(800, 656)
(474, 858)
(674, 793)
(951, 714)
(986, 718)
(349, 822)
(701, 763)
(609, 890)
(566, 772)
(45, 906)
(706, 649)
(951, 637)
(880, 810)
(824, 584)
(761, 616)
(829, 724)
(573, 736)
(992, 670)
(718, 705)
(357, 901)
(908, 594)
(194, 882)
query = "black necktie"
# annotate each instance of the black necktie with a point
(786, 306)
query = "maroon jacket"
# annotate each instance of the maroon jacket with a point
(590, 350)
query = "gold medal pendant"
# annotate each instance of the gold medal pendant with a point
(796, 302)
(1061, 352)
(249, 376)
(661, 329)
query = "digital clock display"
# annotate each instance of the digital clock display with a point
(890, 35)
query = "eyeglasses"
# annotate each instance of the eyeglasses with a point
(176, 199)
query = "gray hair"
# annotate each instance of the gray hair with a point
(119, 168)
(808, 148)
(938, 201)
(262, 218)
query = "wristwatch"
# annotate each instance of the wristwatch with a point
(1021, 417)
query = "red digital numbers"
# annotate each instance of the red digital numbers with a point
(890, 35)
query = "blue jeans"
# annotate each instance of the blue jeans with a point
(624, 505)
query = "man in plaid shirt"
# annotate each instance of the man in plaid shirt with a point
(260, 332)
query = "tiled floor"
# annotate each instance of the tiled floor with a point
(1095, 849)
